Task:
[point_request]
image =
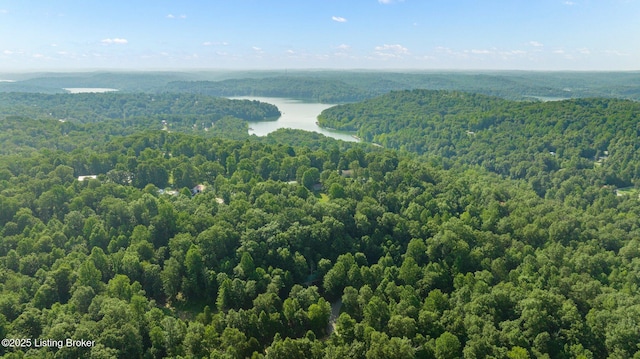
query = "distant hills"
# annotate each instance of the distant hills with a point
(342, 86)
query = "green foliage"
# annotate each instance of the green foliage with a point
(310, 177)
(536, 141)
(343, 86)
(305, 88)
(31, 121)
(394, 255)
(447, 346)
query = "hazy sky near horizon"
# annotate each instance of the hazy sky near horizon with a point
(328, 34)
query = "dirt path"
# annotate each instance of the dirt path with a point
(335, 313)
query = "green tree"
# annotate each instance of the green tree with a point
(194, 265)
(310, 177)
(171, 278)
(319, 314)
(376, 313)
(448, 346)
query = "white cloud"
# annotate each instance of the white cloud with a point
(338, 19)
(395, 48)
(513, 53)
(391, 50)
(614, 53)
(115, 41)
(343, 51)
(386, 2)
(290, 52)
(8, 52)
(569, 3)
(172, 16)
(3, 11)
(481, 52)
(443, 49)
(584, 51)
(489, 54)
(536, 44)
(211, 43)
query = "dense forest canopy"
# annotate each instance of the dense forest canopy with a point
(62, 121)
(98, 107)
(486, 229)
(424, 260)
(517, 139)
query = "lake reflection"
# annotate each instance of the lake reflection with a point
(89, 89)
(295, 114)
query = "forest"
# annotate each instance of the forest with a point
(334, 86)
(341, 87)
(521, 140)
(101, 107)
(304, 88)
(482, 228)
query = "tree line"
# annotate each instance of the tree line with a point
(426, 261)
(544, 143)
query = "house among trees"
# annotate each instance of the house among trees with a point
(82, 178)
(346, 173)
(197, 189)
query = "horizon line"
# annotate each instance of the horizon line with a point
(310, 69)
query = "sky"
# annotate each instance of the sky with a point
(68, 35)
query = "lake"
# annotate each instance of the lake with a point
(295, 114)
(89, 89)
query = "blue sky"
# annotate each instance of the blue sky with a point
(327, 34)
